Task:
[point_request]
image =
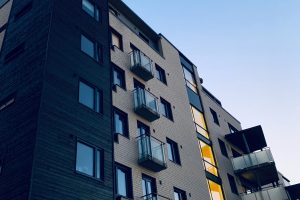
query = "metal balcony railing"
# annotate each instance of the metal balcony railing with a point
(141, 65)
(145, 104)
(252, 159)
(151, 153)
(277, 193)
(154, 196)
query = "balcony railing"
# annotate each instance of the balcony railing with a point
(141, 65)
(145, 104)
(277, 193)
(154, 197)
(252, 159)
(151, 153)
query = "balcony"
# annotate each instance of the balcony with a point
(141, 65)
(154, 197)
(151, 153)
(277, 193)
(248, 140)
(145, 104)
(256, 168)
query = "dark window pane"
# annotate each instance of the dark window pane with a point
(173, 151)
(88, 7)
(232, 184)
(87, 46)
(223, 148)
(166, 109)
(215, 116)
(119, 77)
(86, 95)
(85, 159)
(121, 177)
(120, 122)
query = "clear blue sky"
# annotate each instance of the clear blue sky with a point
(248, 53)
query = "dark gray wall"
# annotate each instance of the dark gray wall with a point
(38, 132)
(24, 76)
(62, 119)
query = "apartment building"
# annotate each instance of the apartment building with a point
(94, 104)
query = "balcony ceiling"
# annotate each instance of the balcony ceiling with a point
(254, 137)
(260, 175)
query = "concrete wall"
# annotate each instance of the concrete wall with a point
(190, 176)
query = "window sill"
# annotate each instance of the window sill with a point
(90, 110)
(115, 86)
(80, 174)
(116, 137)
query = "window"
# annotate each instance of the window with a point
(23, 11)
(123, 181)
(7, 102)
(91, 9)
(208, 158)
(199, 120)
(116, 39)
(232, 184)
(119, 77)
(142, 129)
(232, 129)
(215, 116)
(120, 122)
(138, 84)
(90, 96)
(190, 80)
(149, 187)
(173, 151)
(160, 74)
(91, 48)
(216, 192)
(89, 160)
(14, 53)
(223, 148)
(179, 194)
(166, 109)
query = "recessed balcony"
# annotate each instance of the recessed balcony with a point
(277, 193)
(256, 168)
(141, 65)
(151, 153)
(145, 104)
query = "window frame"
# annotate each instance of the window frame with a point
(179, 191)
(175, 151)
(160, 74)
(168, 108)
(119, 36)
(215, 116)
(120, 71)
(96, 10)
(97, 48)
(126, 123)
(232, 129)
(223, 148)
(128, 178)
(232, 184)
(96, 91)
(101, 161)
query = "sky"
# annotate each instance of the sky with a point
(248, 53)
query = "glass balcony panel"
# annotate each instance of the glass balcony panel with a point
(145, 104)
(151, 153)
(154, 197)
(141, 65)
(277, 193)
(253, 159)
